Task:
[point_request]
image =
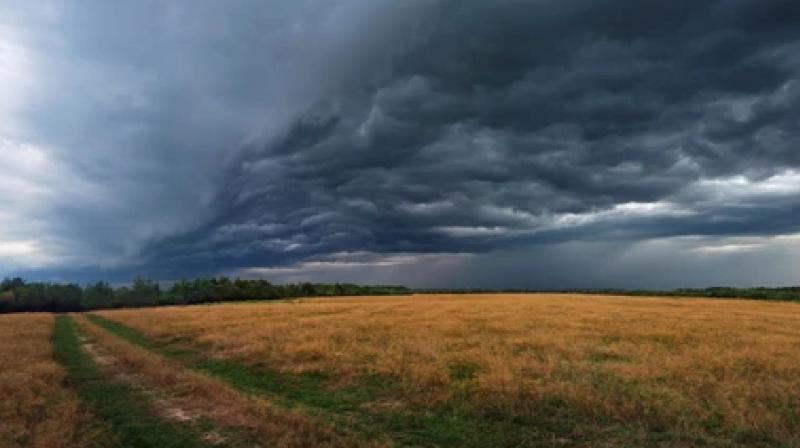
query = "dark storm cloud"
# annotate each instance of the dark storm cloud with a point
(460, 127)
(142, 102)
(510, 116)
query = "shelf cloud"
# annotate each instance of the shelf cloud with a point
(539, 144)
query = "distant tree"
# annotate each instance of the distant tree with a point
(18, 295)
(339, 290)
(122, 297)
(307, 289)
(145, 292)
(10, 284)
(98, 295)
(6, 301)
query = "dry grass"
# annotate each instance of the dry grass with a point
(690, 366)
(36, 410)
(185, 396)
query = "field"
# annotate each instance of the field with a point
(36, 409)
(424, 370)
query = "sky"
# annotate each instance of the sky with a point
(537, 144)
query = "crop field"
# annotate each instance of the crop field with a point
(424, 370)
(36, 407)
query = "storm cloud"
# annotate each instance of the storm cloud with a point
(433, 143)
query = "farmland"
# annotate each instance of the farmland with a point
(421, 370)
(37, 409)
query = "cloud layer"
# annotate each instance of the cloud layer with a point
(434, 143)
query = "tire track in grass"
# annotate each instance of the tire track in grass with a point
(38, 409)
(231, 418)
(130, 416)
(358, 408)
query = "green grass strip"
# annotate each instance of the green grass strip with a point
(130, 415)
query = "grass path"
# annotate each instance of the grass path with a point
(129, 415)
(224, 415)
(38, 408)
(366, 407)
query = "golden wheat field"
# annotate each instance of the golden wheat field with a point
(36, 408)
(542, 369)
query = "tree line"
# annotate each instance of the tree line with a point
(18, 295)
(785, 293)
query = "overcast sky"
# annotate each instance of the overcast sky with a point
(433, 143)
